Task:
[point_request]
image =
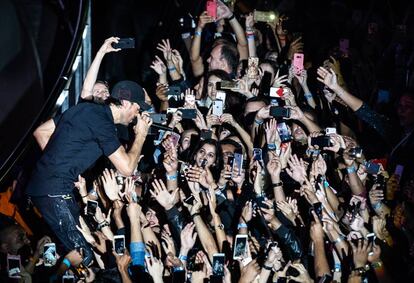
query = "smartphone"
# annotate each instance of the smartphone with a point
(119, 244)
(355, 152)
(371, 238)
(13, 266)
(91, 206)
(68, 279)
(383, 96)
(372, 168)
(265, 84)
(230, 159)
(298, 59)
(221, 95)
(321, 141)
(171, 110)
(237, 163)
(284, 132)
(264, 16)
(276, 92)
(125, 43)
(330, 131)
(344, 46)
(217, 107)
(49, 254)
(218, 264)
(158, 118)
(174, 92)
(188, 113)
(206, 135)
(240, 247)
(211, 8)
(317, 207)
(252, 67)
(175, 138)
(279, 112)
(120, 180)
(227, 85)
(257, 154)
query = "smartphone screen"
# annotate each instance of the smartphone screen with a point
(264, 16)
(13, 266)
(49, 254)
(372, 168)
(221, 95)
(206, 135)
(252, 67)
(119, 244)
(279, 112)
(257, 154)
(240, 247)
(298, 59)
(91, 207)
(284, 132)
(237, 164)
(158, 118)
(174, 92)
(218, 264)
(188, 113)
(68, 279)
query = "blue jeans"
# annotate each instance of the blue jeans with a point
(61, 212)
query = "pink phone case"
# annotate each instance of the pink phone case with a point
(211, 8)
(298, 62)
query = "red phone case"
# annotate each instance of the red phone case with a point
(211, 8)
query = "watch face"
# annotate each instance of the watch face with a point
(221, 226)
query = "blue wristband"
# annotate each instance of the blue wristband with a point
(376, 206)
(351, 169)
(171, 69)
(250, 37)
(258, 122)
(182, 257)
(197, 33)
(179, 268)
(172, 177)
(241, 225)
(66, 262)
(271, 146)
(308, 95)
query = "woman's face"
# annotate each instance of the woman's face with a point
(100, 91)
(198, 88)
(207, 152)
(186, 139)
(211, 87)
(152, 218)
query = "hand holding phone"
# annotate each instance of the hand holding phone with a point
(125, 43)
(298, 59)
(91, 206)
(211, 8)
(119, 244)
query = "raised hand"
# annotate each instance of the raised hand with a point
(274, 166)
(295, 47)
(168, 243)
(295, 113)
(297, 169)
(223, 12)
(144, 122)
(161, 92)
(110, 185)
(170, 161)
(303, 273)
(107, 45)
(279, 81)
(86, 232)
(188, 237)
(160, 193)
(158, 66)
(376, 194)
(122, 261)
(287, 210)
(155, 267)
(178, 61)
(360, 252)
(272, 135)
(204, 19)
(328, 78)
(227, 118)
(165, 48)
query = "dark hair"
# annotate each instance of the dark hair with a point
(216, 167)
(105, 83)
(218, 73)
(230, 53)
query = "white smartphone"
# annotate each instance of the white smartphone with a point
(218, 264)
(330, 131)
(13, 266)
(241, 245)
(68, 279)
(49, 254)
(119, 244)
(217, 107)
(221, 95)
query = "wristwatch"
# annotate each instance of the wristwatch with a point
(220, 226)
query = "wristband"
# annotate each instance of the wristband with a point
(172, 177)
(195, 214)
(267, 267)
(351, 169)
(308, 95)
(182, 257)
(279, 184)
(171, 69)
(241, 225)
(231, 17)
(271, 146)
(250, 37)
(197, 33)
(66, 262)
(377, 206)
(338, 240)
(84, 196)
(179, 268)
(258, 122)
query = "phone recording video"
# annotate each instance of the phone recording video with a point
(49, 254)
(119, 244)
(218, 264)
(125, 43)
(91, 206)
(240, 247)
(13, 266)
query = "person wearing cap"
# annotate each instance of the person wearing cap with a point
(71, 143)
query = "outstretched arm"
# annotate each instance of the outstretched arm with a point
(43, 133)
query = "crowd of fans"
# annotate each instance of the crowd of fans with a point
(261, 163)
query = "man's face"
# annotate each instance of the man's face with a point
(406, 111)
(129, 112)
(100, 91)
(298, 133)
(215, 61)
(17, 239)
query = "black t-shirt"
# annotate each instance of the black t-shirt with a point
(83, 133)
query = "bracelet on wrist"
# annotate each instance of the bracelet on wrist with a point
(182, 257)
(377, 265)
(171, 69)
(171, 177)
(258, 122)
(278, 184)
(351, 169)
(84, 196)
(195, 214)
(267, 267)
(66, 262)
(197, 33)
(241, 226)
(338, 240)
(377, 205)
(231, 17)
(271, 146)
